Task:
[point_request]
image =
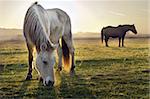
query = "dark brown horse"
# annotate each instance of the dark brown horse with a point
(114, 32)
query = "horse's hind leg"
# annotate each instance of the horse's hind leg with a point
(72, 72)
(30, 59)
(69, 43)
(59, 52)
(119, 41)
(106, 41)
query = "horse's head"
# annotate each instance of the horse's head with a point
(45, 64)
(133, 29)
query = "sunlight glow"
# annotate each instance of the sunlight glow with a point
(86, 15)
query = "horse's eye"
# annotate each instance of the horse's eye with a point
(45, 62)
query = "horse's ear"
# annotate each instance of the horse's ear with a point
(43, 47)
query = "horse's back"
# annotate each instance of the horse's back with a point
(111, 31)
(62, 15)
(64, 20)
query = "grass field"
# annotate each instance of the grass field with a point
(101, 72)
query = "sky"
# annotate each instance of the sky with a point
(86, 15)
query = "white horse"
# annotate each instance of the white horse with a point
(43, 29)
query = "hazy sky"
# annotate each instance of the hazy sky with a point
(86, 15)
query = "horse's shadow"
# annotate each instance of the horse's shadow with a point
(94, 63)
(66, 85)
(23, 88)
(79, 85)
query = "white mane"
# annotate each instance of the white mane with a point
(38, 24)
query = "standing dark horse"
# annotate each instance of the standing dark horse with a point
(114, 32)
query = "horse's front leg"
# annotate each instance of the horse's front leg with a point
(123, 42)
(30, 59)
(119, 41)
(59, 52)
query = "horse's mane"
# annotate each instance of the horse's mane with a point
(35, 26)
(124, 25)
(117, 26)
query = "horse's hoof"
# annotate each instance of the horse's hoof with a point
(40, 79)
(72, 73)
(59, 69)
(29, 77)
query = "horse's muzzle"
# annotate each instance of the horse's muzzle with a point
(50, 83)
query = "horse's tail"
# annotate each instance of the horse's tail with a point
(65, 54)
(102, 35)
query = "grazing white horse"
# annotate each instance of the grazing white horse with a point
(43, 29)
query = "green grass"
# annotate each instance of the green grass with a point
(101, 72)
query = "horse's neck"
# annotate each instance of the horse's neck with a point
(126, 29)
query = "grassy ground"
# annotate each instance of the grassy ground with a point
(101, 72)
